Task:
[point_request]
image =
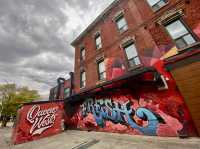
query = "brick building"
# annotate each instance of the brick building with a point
(134, 33)
(62, 90)
(120, 82)
(136, 72)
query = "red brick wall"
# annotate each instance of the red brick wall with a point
(142, 23)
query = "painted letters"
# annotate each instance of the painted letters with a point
(41, 119)
(106, 109)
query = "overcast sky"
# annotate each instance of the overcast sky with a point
(35, 37)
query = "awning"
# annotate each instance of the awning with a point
(142, 76)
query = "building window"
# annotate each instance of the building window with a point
(83, 79)
(157, 4)
(132, 55)
(180, 34)
(121, 23)
(101, 70)
(82, 54)
(66, 92)
(98, 41)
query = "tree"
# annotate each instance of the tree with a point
(12, 98)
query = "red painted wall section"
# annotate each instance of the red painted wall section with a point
(37, 121)
(197, 30)
(151, 113)
(145, 110)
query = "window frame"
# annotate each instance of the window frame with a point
(167, 1)
(81, 56)
(190, 32)
(98, 70)
(82, 82)
(100, 45)
(124, 46)
(117, 19)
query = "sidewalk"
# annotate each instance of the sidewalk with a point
(97, 140)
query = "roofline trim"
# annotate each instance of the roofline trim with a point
(113, 4)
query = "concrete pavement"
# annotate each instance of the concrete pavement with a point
(97, 140)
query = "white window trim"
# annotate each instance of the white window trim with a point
(123, 44)
(98, 62)
(117, 17)
(188, 30)
(98, 33)
(81, 49)
(159, 8)
(81, 87)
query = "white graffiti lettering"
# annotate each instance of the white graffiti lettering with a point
(41, 119)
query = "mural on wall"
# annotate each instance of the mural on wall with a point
(151, 112)
(142, 116)
(151, 57)
(107, 110)
(144, 111)
(164, 48)
(154, 56)
(41, 120)
(37, 121)
(114, 68)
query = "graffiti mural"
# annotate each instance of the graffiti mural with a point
(114, 68)
(41, 120)
(138, 111)
(143, 116)
(106, 109)
(38, 120)
(150, 112)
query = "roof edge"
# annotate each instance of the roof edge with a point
(98, 18)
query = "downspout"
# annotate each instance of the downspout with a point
(71, 83)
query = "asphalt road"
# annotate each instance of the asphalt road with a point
(97, 140)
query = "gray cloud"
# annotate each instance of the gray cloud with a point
(49, 62)
(35, 37)
(30, 27)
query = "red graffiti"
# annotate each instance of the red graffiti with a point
(41, 119)
(37, 121)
